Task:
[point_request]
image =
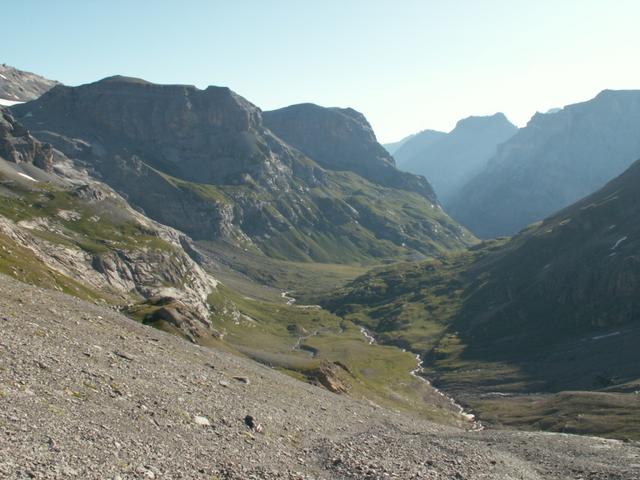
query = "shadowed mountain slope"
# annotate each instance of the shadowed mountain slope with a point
(554, 308)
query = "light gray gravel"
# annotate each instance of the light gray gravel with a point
(87, 393)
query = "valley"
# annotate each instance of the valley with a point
(175, 260)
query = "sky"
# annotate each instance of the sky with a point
(407, 65)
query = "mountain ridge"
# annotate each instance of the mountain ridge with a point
(570, 146)
(212, 169)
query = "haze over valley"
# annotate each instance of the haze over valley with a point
(198, 283)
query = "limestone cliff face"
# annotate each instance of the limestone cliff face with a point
(74, 227)
(202, 161)
(18, 146)
(197, 135)
(342, 139)
(20, 86)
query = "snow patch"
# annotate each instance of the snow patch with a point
(1, 75)
(600, 337)
(27, 176)
(618, 242)
(8, 103)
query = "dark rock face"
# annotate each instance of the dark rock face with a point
(18, 146)
(451, 160)
(202, 161)
(197, 135)
(341, 139)
(555, 160)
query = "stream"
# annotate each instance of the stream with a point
(418, 373)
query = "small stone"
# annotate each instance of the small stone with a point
(123, 355)
(224, 383)
(203, 421)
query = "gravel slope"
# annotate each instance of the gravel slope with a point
(86, 393)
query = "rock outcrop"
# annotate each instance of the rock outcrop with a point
(81, 231)
(20, 86)
(18, 146)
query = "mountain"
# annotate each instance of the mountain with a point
(394, 146)
(555, 160)
(18, 86)
(414, 144)
(552, 310)
(204, 162)
(450, 160)
(342, 139)
(61, 229)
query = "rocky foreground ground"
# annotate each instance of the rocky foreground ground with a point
(87, 393)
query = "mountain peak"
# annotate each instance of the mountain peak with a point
(124, 79)
(341, 139)
(480, 121)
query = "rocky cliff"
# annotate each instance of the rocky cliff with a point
(342, 139)
(61, 229)
(20, 86)
(18, 146)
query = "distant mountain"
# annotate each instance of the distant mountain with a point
(555, 160)
(414, 144)
(554, 308)
(394, 146)
(18, 86)
(450, 160)
(203, 161)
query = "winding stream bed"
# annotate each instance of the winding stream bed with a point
(418, 373)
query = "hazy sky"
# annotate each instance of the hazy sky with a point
(407, 65)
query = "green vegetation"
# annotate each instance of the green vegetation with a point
(204, 191)
(250, 271)
(298, 339)
(93, 228)
(343, 219)
(606, 414)
(21, 264)
(552, 310)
